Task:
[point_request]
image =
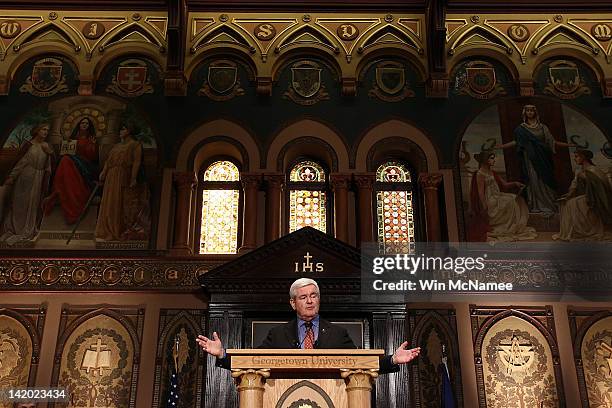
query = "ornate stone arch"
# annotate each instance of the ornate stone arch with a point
(323, 136)
(393, 128)
(230, 139)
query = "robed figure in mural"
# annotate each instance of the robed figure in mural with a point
(26, 185)
(586, 209)
(497, 213)
(123, 213)
(535, 146)
(76, 174)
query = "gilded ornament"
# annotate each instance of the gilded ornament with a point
(264, 31)
(518, 32)
(602, 32)
(347, 31)
(93, 30)
(81, 275)
(19, 275)
(9, 29)
(50, 275)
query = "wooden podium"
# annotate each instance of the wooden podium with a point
(317, 378)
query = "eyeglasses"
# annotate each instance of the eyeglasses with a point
(312, 296)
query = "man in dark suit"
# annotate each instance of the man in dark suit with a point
(308, 331)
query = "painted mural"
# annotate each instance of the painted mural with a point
(77, 173)
(535, 170)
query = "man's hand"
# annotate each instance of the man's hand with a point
(213, 346)
(403, 356)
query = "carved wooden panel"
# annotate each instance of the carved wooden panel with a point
(435, 331)
(591, 332)
(97, 356)
(21, 329)
(178, 354)
(516, 357)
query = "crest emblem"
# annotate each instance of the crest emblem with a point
(564, 80)
(479, 80)
(46, 78)
(222, 82)
(131, 79)
(306, 79)
(390, 80)
(221, 79)
(390, 83)
(306, 87)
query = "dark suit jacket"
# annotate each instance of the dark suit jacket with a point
(331, 336)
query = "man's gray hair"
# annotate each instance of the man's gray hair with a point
(300, 283)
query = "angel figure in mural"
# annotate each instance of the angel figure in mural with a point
(497, 214)
(124, 209)
(76, 173)
(535, 146)
(25, 186)
(586, 209)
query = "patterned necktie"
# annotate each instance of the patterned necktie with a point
(309, 338)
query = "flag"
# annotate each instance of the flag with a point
(173, 391)
(448, 399)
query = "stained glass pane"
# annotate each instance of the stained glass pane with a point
(393, 172)
(307, 209)
(395, 221)
(219, 232)
(222, 171)
(307, 171)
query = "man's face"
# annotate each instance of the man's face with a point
(306, 302)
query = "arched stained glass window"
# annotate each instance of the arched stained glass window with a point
(307, 196)
(220, 208)
(394, 208)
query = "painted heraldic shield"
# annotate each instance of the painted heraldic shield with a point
(306, 79)
(481, 79)
(221, 78)
(390, 80)
(131, 79)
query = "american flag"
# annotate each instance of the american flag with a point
(173, 397)
(173, 389)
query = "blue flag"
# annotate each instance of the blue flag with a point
(448, 399)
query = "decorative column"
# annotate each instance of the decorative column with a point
(185, 183)
(273, 205)
(250, 384)
(250, 186)
(359, 387)
(430, 182)
(340, 183)
(365, 185)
